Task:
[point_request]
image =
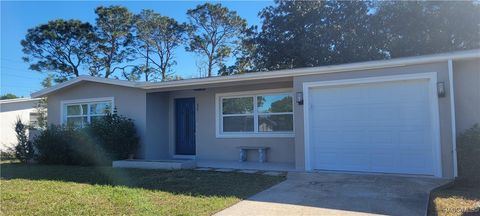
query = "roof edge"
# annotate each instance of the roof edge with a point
(17, 100)
(376, 64)
(46, 91)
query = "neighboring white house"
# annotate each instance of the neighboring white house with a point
(10, 110)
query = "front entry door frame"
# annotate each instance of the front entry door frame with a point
(189, 126)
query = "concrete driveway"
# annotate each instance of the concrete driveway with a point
(340, 194)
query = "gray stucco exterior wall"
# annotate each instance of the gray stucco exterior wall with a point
(444, 107)
(466, 82)
(130, 102)
(208, 147)
(158, 126)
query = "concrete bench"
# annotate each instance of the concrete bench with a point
(262, 153)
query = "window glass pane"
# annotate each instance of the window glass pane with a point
(237, 105)
(100, 108)
(268, 123)
(73, 110)
(84, 109)
(238, 124)
(274, 103)
(77, 121)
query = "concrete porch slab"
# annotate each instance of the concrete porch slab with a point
(249, 171)
(224, 170)
(204, 169)
(155, 164)
(247, 165)
(340, 194)
(274, 173)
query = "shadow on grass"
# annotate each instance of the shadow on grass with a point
(186, 182)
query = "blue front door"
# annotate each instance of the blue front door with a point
(185, 126)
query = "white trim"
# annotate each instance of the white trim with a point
(432, 77)
(18, 100)
(83, 100)
(453, 118)
(255, 133)
(46, 91)
(191, 83)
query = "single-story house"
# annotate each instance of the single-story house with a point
(388, 116)
(11, 110)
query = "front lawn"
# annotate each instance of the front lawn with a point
(74, 190)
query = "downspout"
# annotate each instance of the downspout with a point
(452, 116)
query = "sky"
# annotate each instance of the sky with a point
(18, 16)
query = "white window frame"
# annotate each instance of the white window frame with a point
(255, 133)
(88, 101)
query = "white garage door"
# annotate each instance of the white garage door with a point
(373, 127)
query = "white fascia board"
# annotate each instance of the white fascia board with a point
(18, 100)
(46, 91)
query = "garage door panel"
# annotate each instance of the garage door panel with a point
(350, 161)
(375, 127)
(382, 115)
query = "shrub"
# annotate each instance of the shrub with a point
(117, 135)
(7, 154)
(24, 148)
(468, 151)
(112, 137)
(53, 145)
(69, 146)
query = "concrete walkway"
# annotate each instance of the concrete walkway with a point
(340, 194)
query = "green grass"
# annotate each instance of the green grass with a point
(74, 190)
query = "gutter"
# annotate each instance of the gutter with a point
(452, 117)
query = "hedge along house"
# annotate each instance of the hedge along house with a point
(390, 116)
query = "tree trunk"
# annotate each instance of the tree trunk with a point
(107, 71)
(210, 65)
(147, 69)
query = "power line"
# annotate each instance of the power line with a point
(12, 60)
(11, 68)
(21, 76)
(17, 86)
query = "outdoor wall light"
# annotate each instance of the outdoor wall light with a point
(299, 98)
(441, 89)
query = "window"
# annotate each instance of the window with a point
(256, 114)
(79, 113)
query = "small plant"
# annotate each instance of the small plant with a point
(41, 108)
(8, 154)
(24, 148)
(468, 144)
